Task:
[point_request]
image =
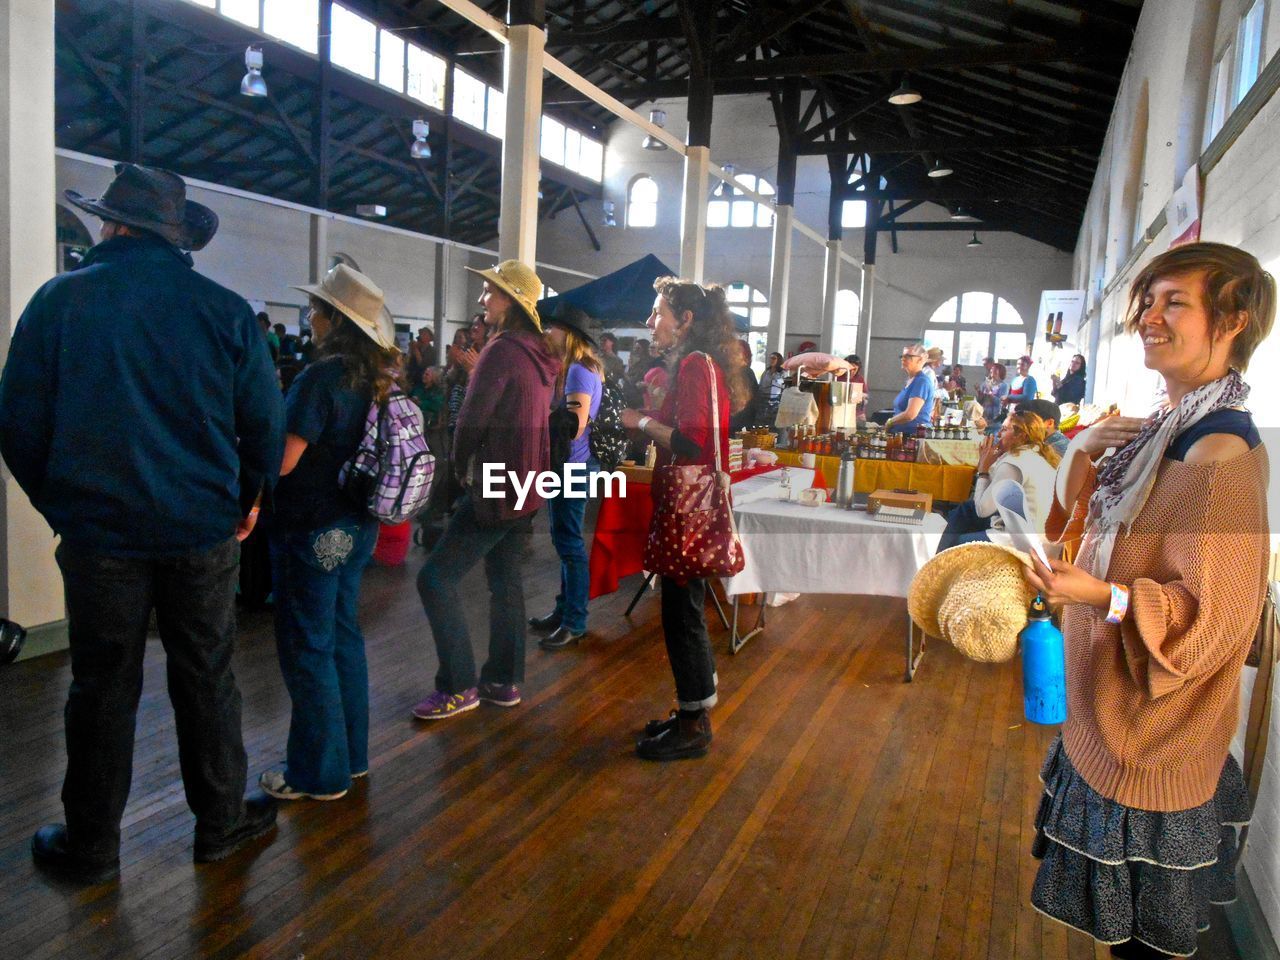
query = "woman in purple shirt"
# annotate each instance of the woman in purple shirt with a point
(582, 374)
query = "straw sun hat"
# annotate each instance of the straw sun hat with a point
(359, 299)
(518, 281)
(975, 597)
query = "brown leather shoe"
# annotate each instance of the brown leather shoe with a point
(687, 739)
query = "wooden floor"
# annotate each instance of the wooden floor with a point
(841, 813)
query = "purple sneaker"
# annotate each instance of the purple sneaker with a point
(502, 694)
(440, 704)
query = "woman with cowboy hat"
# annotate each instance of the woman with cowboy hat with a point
(692, 325)
(582, 377)
(1137, 827)
(321, 539)
(503, 423)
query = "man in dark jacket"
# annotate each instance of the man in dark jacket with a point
(502, 430)
(148, 462)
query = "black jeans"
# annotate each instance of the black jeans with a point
(684, 628)
(109, 601)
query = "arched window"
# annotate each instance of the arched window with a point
(749, 304)
(731, 208)
(976, 325)
(844, 340)
(642, 202)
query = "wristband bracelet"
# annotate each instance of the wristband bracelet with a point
(644, 422)
(1119, 603)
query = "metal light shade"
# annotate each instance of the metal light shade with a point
(905, 95)
(725, 189)
(253, 85)
(974, 241)
(940, 169)
(659, 119)
(420, 150)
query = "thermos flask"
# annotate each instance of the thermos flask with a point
(844, 480)
(1044, 669)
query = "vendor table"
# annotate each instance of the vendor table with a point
(964, 452)
(801, 549)
(950, 482)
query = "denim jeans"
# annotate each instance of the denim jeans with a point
(462, 545)
(317, 593)
(684, 628)
(964, 526)
(109, 602)
(566, 516)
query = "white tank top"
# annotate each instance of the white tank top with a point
(1037, 481)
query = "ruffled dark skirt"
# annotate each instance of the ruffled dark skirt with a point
(1118, 873)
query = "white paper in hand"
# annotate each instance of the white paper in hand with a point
(1018, 532)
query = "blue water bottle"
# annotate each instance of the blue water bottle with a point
(1044, 668)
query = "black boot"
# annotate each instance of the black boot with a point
(549, 622)
(687, 739)
(655, 727)
(561, 638)
(258, 819)
(51, 852)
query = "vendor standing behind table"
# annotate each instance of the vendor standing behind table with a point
(1070, 389)
(913, 407)
(769, 393)
(1159, 612)
(1024, 385)
(693, 326)
(992, 392)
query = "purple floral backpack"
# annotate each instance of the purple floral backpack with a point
(391, 471)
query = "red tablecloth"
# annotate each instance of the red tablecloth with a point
(622, 526)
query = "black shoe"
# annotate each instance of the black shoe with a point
(549, 622)
(561, 638)
(50, 851)
(258, 819)
(655, 727)
(688, 739)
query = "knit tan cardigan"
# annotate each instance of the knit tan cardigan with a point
(1152, 704)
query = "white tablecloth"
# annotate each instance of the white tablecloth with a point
(794, 548)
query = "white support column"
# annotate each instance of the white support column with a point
(518, 216)
(319, 236)
(864, 321)
(693, 215)
(30, 584)
(780, 277)
(830, 286)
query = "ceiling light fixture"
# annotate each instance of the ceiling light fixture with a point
(940, 169)
(725, 189)
(253, 85)
(974, 241)
(371, 210)
(960, 213)
(610, 220)
(905, 95)
(420, 149)
(659, 119)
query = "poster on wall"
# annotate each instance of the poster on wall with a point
(1183, 212)
(1060, 314)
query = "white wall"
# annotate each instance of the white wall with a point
(1176, 42)
(929, 267)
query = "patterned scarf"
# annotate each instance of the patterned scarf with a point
(1125, 479)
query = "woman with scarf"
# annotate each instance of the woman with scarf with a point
(693, 327)
(1137, 825)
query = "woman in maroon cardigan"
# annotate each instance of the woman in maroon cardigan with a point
(689, 321)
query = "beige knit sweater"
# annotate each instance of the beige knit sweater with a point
(1152, 703)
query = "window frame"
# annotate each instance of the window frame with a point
(722, 211)
(636, 181)
(955, 326)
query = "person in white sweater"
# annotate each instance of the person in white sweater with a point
(1019, 452)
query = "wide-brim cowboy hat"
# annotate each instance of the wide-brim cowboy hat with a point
(152, 199)
(575, 321)
(975, 597)
(358, 299)
(519, 282)
(934, 353)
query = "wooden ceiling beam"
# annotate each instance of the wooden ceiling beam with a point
(1049, 139)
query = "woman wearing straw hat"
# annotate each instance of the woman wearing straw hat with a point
(690, 323)
(503, 421)
(321, 539)
(582, 385)
(1137, 826)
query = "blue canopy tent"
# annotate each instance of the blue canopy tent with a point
(623, 298)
